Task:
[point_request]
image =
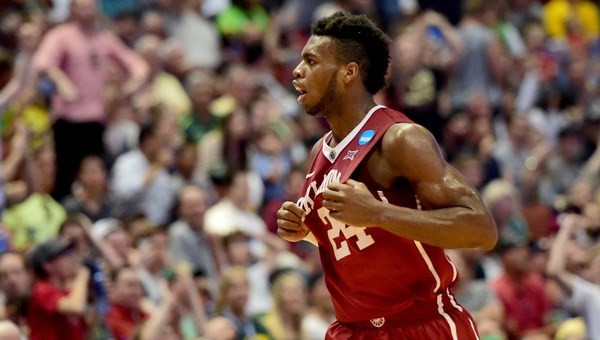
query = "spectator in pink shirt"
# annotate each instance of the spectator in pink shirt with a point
(76, 56)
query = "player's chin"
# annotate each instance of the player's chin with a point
(316, 114)
(311, 110)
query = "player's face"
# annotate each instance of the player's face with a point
(316, 77)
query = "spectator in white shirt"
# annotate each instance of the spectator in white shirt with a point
(234, 212)
(140, 181)
(581, 285)
(188, 241)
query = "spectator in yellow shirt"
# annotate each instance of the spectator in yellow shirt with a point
(559, 15)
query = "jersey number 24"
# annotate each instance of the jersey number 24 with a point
(363, 240)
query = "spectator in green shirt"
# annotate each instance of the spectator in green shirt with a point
(242, 25)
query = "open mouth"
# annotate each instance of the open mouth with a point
(300, 90)
(297, 86)
(301, 97)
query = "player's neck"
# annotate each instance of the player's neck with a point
(349, 113)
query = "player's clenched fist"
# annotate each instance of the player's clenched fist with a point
(290, 225)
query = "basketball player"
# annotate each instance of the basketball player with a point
(379, 200)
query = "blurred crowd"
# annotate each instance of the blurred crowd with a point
(148, 144)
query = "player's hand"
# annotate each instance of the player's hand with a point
(290, 225)
(351, 203)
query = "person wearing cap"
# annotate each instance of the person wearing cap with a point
(59, 296)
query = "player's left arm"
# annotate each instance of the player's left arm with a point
(452, 215)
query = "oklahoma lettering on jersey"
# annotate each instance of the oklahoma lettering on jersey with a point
(371, 273)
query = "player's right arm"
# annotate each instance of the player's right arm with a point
(290, 217)
(290, 225)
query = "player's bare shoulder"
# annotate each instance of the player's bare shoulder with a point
(410, 150)
(407, 135)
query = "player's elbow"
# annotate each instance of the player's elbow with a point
(481, 230)
(485, 235)
(489, 235)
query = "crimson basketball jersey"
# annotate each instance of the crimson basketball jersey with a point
(371, 272)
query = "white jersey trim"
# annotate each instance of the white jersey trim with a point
(454, 270)
(332, 153)
(422, 251)
(473, 328)
(452, 301)
(427, 260)
(447, 317)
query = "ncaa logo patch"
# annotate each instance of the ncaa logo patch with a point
(366, 137)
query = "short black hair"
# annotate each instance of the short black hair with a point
(146, 133)
(71, 220)
(44, 252)
(358, 39)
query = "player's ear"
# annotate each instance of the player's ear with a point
(351, 72)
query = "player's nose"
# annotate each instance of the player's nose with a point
(297, 73)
